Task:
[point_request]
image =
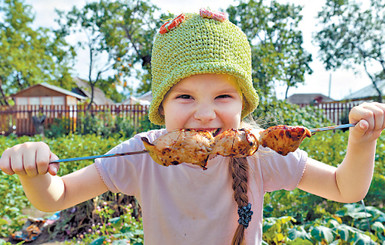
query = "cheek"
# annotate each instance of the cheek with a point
(174, 116)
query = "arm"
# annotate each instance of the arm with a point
(351, 180)
(45, 190)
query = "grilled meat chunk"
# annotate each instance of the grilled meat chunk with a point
(235, 143)
(185, 145)
(284, 139)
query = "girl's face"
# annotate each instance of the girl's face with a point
(206, 101)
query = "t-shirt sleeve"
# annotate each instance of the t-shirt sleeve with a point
(282, 172)
(120, 174)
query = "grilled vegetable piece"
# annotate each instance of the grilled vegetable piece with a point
(284, 139)
(235, 143)
(184, 145)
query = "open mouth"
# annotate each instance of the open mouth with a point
(216, 132)
(213, 131)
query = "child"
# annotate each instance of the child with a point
(201, 68)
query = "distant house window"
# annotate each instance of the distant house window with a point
(46, 100)
(34, 100)
(21, 101)
(57, 100)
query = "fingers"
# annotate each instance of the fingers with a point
(28, 159)
(53, 167)
(370, 117)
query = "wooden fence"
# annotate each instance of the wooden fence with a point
(19, 119)
(336, 112)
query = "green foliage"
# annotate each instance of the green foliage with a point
(103, 124)
(290, 217)
(122, 29)
(351, 37)
(119, 230)
(29, 56)
(13, 202)
(275, 112)
(277, 52)
(345, 227)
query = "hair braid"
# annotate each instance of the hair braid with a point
(239, 172)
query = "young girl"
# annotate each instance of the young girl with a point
(201, 68)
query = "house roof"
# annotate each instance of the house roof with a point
(367, 92)
(51, 87)
(308, 98)
(146, 96)
(99, 96)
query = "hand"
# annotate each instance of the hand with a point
(29, 159)
(370, 119)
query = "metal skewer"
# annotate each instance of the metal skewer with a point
(314, 130)
(99, 156)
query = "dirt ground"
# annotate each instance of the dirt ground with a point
(41, 240)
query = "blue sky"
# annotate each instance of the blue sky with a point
(343, 82)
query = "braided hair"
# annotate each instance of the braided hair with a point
(239, 172)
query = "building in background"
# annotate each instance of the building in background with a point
(367, 93)
(315, 98)
(46, 94)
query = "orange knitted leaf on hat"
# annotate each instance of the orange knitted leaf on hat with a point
(205, 13)
(169, 25)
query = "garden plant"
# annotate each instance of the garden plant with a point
(289, 217)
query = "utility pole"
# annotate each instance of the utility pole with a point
(330, 84)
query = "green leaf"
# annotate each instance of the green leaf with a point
(98, 241)
(299, 241)
(114, 220)
(121, 242)
(298, 232)
(322, 233)
(362, 239)
(378, 227)
(345, 232)
(3, 222)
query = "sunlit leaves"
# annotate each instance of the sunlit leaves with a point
(352, 36)
(277, 52)
(29, 55)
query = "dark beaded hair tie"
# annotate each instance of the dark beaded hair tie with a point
(245, 215)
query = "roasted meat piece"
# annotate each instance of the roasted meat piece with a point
(185, 145)
(195, 146)
(283, 139)
(235, 143)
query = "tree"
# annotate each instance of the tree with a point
(89, 21)
(276, 42)
(121, 30)
(353, 36)
(29, 56)
(130, 33)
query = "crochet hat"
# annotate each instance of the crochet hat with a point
(192, 44)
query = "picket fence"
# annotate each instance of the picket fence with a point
(336, 112)
(19, 119)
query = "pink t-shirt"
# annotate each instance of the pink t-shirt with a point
(184, 204)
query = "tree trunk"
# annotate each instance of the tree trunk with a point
(3, 97)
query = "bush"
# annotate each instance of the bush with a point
(276, 112)
(104, 125)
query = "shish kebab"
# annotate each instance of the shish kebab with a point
(195, 146)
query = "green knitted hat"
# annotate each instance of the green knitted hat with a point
(191, 45)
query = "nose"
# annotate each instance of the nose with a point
(204, 113)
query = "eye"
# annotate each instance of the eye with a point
(223, 96)
(184, 97)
